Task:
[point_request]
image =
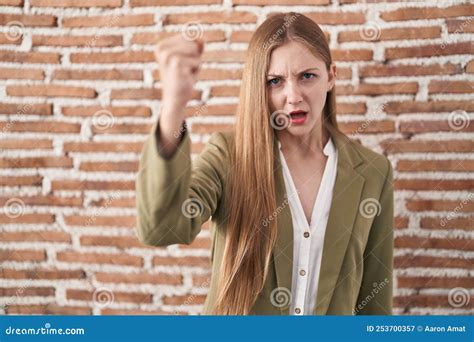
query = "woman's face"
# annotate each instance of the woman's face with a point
(297, 80)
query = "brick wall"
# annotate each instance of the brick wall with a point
(79, 94)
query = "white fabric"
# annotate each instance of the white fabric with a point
(307, 252)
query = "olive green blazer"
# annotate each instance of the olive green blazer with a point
(357, 260)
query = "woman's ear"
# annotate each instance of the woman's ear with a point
(331, 76)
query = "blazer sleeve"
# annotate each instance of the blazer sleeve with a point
(376, 292)
(175, 195)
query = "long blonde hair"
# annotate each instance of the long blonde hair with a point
(251, 196)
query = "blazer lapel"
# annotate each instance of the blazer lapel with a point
(347, 191)
(344, 207)
(283, 249)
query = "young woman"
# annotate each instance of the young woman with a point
(302, 217)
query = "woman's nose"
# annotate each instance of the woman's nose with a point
(294, 94)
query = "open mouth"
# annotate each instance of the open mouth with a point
(298, 117)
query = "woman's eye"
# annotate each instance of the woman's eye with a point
(308, 75)
(273, 81)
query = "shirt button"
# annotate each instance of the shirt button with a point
(302, 272)
(298, 311)
(306, 234)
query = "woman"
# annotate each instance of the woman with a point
(302, 216)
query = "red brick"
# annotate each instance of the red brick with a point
(411, 260)
(92, 185)
(419, 242)
(115, 241)
(42, 236)
(27, 219)
(391, 34)
(138, 3)
(424, 13)
(395, 107)
(27, 292)
(29, 20)
(110, 20)
(21, 74)
(47, 309)
(42, 274)
(96, 220)
(21, 255)
(34, 126)
(21, 180)
(379, 70)
(223, 17)
(51, 91)
(113, 74)
(351, 107)
(29, 57)
(433, 126)
(113, 57)
(446, 87)
(362, 127)
(403, 146)
(103, 147)
(146, 38)
(114, 110)
(28, 144)
(433, 184)
(431, 301)
(457, 26)
(191, 299)
(210, 110)
(374, 89)
(38, 162)
(118, 296)
(438, 205)
(109, 166)
(462, 48)
(73, 3)
(48, 200)
(123, 129)
(346, 55)
(141, 278)
(182, 261)
(90, 41)
(100, 258)
(453, 165)
(435, 282)
(464, 223)
(119, 202)
(20, 109)
(337, 17)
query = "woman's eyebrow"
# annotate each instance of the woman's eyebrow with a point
(315, 68)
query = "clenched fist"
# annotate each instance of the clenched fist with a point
(179, 61)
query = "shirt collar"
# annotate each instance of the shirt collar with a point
(328, 149)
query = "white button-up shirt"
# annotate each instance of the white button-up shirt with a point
(309, 239)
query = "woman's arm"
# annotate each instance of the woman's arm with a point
(376, 292)
(174, 196)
